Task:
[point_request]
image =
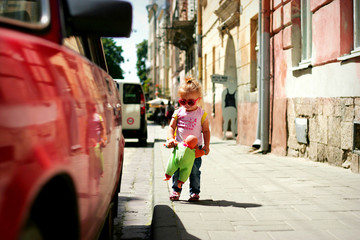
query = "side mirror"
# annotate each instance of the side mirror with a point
(99, 18)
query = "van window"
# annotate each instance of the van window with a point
(33, 14)
(131, 93)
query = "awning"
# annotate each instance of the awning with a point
(157, 102)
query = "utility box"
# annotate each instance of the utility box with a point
(301, 125)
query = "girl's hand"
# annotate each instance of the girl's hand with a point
(170, 143)
(207, 150)
(103, 142)
(199, 152)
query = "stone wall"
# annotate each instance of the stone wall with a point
(330, 129)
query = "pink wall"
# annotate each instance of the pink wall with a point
(338, 30)
(279, 102)
(315, 5)
(247, 121)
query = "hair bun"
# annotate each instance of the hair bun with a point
(189, 79)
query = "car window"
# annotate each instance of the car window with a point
(32, 14)
(131, 93)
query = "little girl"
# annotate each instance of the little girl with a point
(189, 119)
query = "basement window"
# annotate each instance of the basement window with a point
(356, 136)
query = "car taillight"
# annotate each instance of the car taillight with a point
(142, 104)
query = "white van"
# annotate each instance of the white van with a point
(134, 123)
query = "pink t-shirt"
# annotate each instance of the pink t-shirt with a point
(95, 127)
(189, 123)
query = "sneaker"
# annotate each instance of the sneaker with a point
(174, 196)
(194, 197)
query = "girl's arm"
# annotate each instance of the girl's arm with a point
(206, 134)
(171, 132)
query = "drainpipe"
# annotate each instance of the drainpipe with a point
(199, 40)
(265, 75)
(257, 143)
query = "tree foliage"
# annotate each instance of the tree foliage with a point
(113, 57)
(141, 52)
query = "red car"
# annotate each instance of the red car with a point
(61, 143)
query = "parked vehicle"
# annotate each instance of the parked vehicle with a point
(61, 142)
(134, 119)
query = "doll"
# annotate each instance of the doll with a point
(183, 158)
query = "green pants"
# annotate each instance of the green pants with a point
(183, 159)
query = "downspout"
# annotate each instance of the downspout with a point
(199, 40)
(155, 51)
(265, 76)
(257, 143)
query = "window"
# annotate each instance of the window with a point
(205, 72)
(213, 60)
(356, 25)
(254, 54)
(306, 33)
(131, 94)
(213, 84)
(24, 13)
(356, 33)
(190, 59)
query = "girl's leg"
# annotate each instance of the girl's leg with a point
(195, 177)
(175, 195)
(175, 179)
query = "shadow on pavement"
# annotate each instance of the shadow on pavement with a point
(166, 225)
(123, 199)
(136, 232)
(133, 232)
(222, 142)
(224, 203)
(137, 144)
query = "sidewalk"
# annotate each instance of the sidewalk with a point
(254, 196)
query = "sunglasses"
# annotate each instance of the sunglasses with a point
(190, 102)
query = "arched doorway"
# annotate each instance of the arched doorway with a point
(229, 94)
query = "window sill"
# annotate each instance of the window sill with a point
(302, 65)
(353, 54)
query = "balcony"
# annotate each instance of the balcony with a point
(228, 13)
(180, 34)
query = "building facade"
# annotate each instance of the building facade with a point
(316, 85)
(158, 48)
(279, 75)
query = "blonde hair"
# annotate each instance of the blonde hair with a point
(190, 85)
